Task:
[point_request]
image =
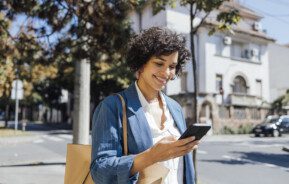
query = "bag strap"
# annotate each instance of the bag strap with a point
(124, 125)
(124, 130)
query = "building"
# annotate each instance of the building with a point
(233, 69)
(279, 75)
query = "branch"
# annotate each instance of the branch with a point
(196, 11)
(62, 22)
(202, 21)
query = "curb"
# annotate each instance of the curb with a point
(34, 163)
(18, 139)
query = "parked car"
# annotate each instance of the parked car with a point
(273, 125)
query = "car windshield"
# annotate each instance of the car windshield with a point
(271, 120)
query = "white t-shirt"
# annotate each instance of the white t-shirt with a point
(153, 115)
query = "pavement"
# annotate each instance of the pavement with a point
(39, 164)
(51, 170)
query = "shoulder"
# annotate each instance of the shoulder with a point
(109, 104)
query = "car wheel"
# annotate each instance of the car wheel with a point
(275, 133)
(257, 135)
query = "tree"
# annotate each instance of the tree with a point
(226, 19)
(77, 33)
(199, 11)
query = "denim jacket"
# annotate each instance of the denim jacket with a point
(108, 165)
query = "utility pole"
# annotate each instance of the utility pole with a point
(81, 107)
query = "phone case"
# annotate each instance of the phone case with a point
(197, 130)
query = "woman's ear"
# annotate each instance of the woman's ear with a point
(136, 74)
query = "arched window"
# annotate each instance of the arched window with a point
(239, 85)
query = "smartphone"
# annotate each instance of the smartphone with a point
(198, 130)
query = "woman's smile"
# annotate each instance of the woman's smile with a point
(161, 80)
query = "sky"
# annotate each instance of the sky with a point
(275, 17)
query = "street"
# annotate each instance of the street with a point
(222, 159)
(243, 159)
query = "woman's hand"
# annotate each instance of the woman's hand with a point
(169, 148)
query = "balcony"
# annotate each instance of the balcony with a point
(246, 100)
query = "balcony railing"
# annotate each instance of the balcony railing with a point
(245, 100)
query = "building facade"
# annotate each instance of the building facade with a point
(279, 66)
(234, 88)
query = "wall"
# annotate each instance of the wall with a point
(279, 70)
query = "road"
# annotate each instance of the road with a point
(243, 159)
(38, 159)
(239, 159)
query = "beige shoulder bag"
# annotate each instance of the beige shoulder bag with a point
(78, 158)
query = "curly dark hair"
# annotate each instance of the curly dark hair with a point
(156, 41)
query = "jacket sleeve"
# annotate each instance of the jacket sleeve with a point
(108, 165)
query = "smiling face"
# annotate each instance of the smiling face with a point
(155, 74)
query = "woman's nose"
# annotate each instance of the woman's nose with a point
(166, 71)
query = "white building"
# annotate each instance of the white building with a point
(235, 64)
(279, 70)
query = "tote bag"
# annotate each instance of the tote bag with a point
(78, 158)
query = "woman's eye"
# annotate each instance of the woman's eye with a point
(172, 67)
(159, 64)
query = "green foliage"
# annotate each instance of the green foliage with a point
(55, 35)
(241, 129)
(159, 5)
(245, 128)
(227, 130)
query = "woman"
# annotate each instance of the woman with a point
(155, 121)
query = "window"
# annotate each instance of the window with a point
(219, 83)
(239, 113)
(237, 49)
(239, 85)
(259, 87)
(285, 122)
(245, 50)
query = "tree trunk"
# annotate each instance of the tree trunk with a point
(50, 117)
(7, 114)
(195, 94)
(81, 102)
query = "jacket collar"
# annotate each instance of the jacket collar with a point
(137, 121)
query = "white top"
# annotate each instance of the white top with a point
(153, 115)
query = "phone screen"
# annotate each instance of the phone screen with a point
(197, 130)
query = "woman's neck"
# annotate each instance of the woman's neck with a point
(149, 93)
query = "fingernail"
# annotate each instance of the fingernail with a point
(193, 138)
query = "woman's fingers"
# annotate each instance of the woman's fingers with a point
(169, 147)
(180, 151)
(185, 141)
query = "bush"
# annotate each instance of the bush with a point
(227, 130)
(245, 129)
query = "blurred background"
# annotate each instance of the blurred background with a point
(60, 58)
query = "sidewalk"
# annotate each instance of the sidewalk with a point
(25, 161)
(239, 138)
(51, 173)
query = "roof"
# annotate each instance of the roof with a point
(244, 12)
